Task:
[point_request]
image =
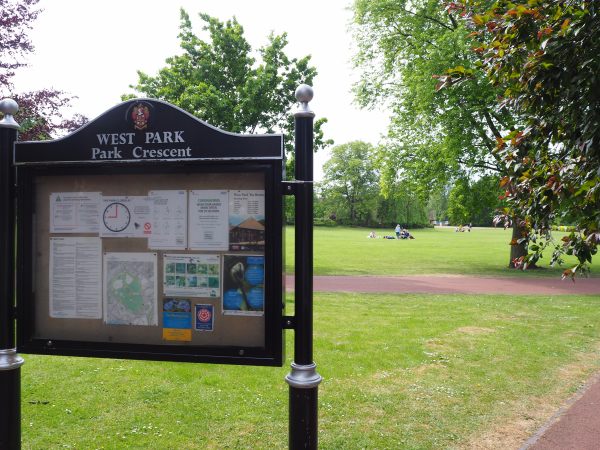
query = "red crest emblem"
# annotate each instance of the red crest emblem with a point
(140, 115)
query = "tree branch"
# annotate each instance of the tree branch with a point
(453, 20)
(433, 19)
(490, 122)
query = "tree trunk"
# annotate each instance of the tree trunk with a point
(516, 250)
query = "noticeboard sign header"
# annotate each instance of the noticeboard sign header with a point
(145, 130)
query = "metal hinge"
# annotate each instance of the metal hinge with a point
(291, 187)
(289, 323)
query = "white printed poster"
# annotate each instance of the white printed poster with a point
(247, 220)
(74, 212)
(169, 220)
(75, 277)
(208, 224)
(130, 289)
(126, 216)
(192, 275)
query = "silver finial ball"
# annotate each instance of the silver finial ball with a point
(9, 106)
(304, 93)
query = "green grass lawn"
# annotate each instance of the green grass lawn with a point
(400, 371)
(482, 252)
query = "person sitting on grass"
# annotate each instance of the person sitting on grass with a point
(372, 235)
(404, 234)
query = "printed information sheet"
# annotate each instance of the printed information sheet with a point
(126, 216)
(169, 220)
(247, 220)
(192, 275)
(74, 212)
(208, 225)
(75, 277)
(130, 294)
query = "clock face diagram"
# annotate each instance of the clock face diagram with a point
(116, 217)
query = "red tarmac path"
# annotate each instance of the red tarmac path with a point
(575, 426)
(458, 284)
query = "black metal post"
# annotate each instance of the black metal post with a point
(10, 362)
(303, 378)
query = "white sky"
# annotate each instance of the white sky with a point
(92, 49)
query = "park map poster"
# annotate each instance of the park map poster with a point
(130, 289)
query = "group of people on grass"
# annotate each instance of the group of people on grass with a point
(462, 228)
(401, 233)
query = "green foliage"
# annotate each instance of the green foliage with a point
(458, 214)
(543, 56)
(349, 187)
(474, 202)
(220, 82)
(436, 135)
(402, 205)
(350, 195)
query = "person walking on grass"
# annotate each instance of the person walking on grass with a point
(397, 231)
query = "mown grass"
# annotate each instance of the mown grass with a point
(482, 252)
(401, 371)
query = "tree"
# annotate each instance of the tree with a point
(40, 112)
(350, 183)
(543, 57)
(410, 53)
(220, 82)
(435, 135)
(402, 206)
(458, 213)
(475, 201)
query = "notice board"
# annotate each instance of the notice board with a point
(138, 239)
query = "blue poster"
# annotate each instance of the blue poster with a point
(244, 284)
(177, 313)
(177, 319)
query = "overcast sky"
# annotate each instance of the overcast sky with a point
(92, 49)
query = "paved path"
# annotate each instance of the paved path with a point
(574, 427)
(458, 284)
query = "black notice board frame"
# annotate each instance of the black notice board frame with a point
(272, 354)
(118, 143)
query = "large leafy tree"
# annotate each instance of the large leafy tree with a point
(409, 50)
(474, 201)
(219, 81)
(350, 183)
(40, 112)
(435, 135)
(402, 205)
(544, 57)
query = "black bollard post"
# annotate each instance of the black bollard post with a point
(303, 378)
(10, 362)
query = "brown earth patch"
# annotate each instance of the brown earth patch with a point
(475, 330)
